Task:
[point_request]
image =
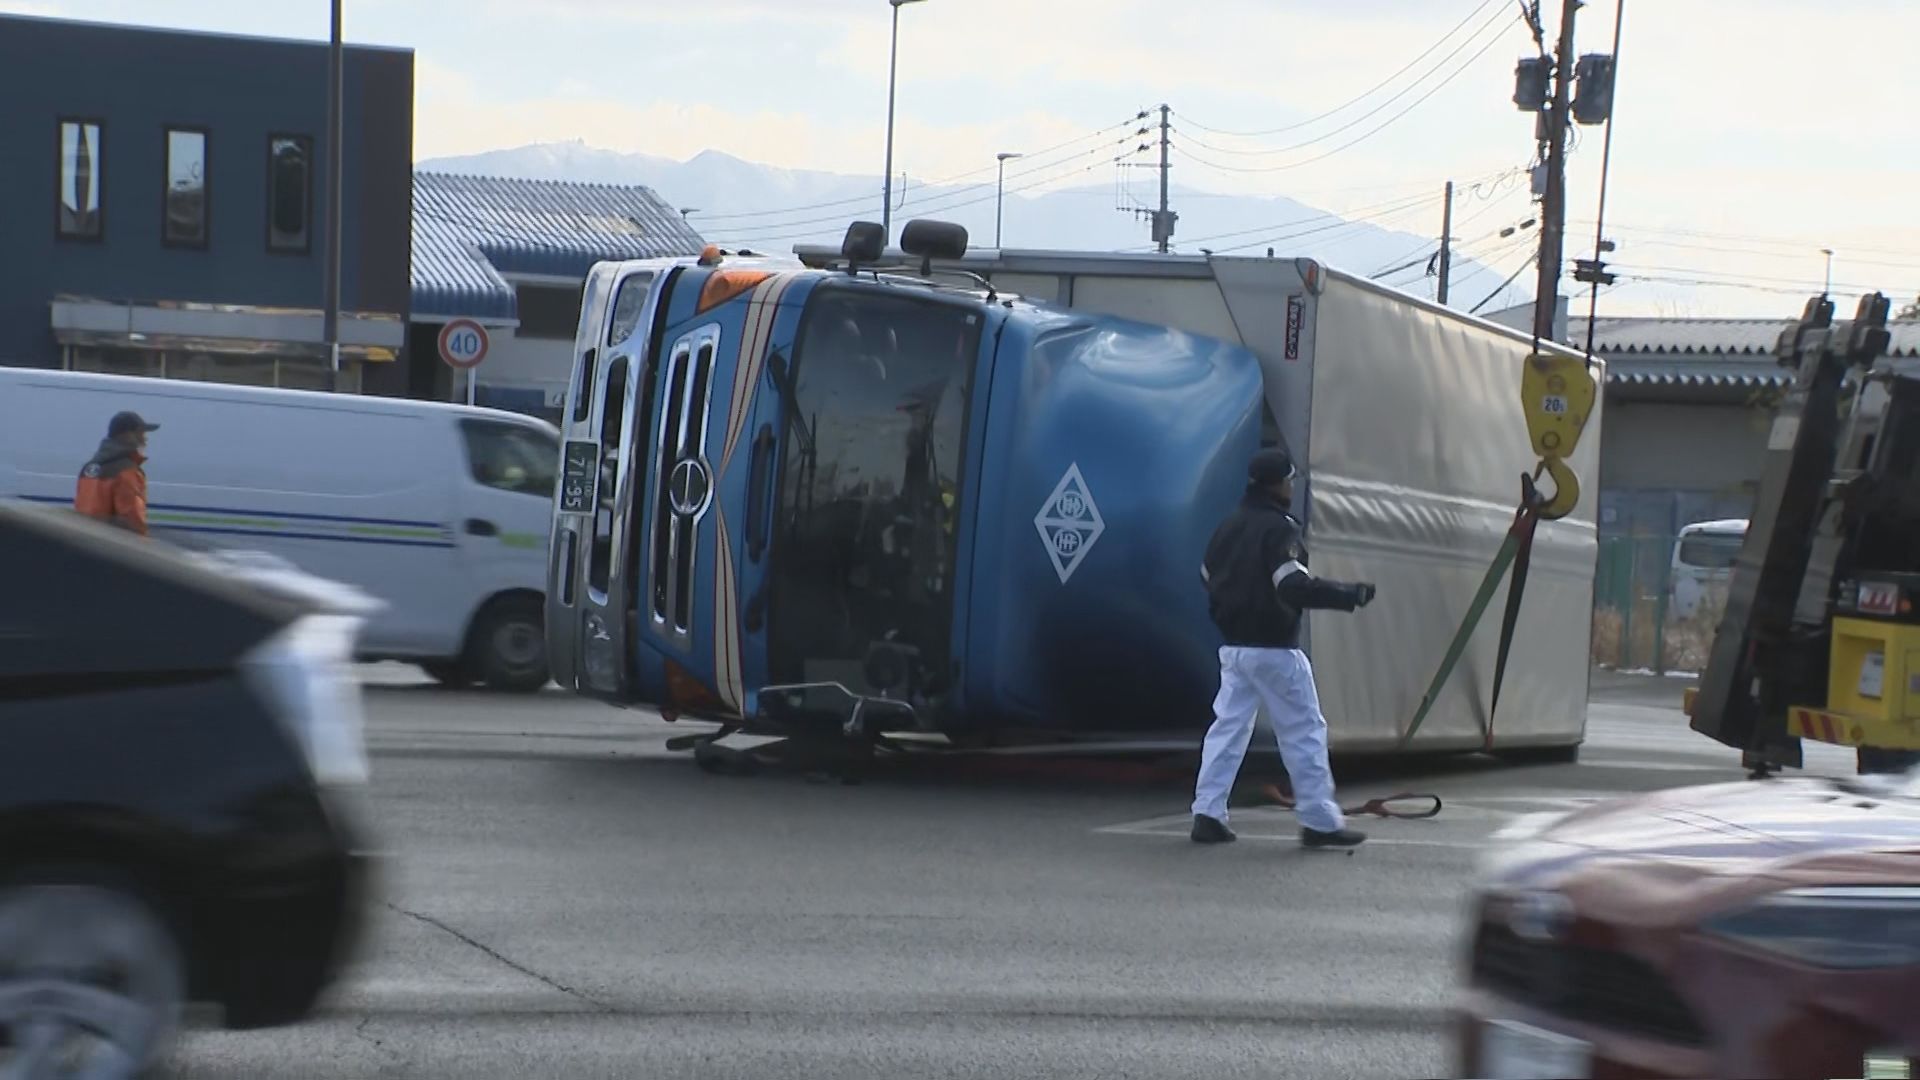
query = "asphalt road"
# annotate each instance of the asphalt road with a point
(562, 897)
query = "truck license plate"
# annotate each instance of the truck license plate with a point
(1514, 1051)
(1873, 675)
(1879, 599)
(579, 476)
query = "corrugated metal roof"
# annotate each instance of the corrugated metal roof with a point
(468, 230)
(1620, 337)
(1734, 373)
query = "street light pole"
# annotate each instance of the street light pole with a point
(999, 193)
(893, 60)
(332, 317)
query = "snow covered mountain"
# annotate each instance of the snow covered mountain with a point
(744, 204)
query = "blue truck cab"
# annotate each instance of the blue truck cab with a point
(797, 498)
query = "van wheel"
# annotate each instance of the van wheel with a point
(89, 973)
(509, 647)
(452, 674)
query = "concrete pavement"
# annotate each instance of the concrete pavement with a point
(564, 898)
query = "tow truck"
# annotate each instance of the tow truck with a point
(1820, 638)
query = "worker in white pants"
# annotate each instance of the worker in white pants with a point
(1280, 683)
(1258, 590)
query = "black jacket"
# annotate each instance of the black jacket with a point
(1258, 585)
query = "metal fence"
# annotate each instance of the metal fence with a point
(1637, 626)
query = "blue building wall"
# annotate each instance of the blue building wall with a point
(136, 82)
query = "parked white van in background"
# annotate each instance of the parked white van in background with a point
(1703, 558)
(440, 511)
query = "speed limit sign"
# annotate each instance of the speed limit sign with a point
(463, 343)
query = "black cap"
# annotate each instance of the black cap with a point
(1269, 467)
(128, 421)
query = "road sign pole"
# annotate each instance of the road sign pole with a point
(463, 344)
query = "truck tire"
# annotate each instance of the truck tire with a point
(508, 648)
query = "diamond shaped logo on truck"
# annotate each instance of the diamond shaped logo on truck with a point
(1069, 523)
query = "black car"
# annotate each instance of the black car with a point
(177, 749)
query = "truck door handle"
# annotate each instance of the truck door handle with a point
(477, 527)
(759, 498)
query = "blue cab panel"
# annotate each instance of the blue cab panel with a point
(1112, 450)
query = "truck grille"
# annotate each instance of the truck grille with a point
(685, 410)
(1595, 986)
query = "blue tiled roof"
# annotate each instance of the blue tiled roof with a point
(468, 230)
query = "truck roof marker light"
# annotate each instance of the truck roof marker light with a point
(724, 285)
(710, 255)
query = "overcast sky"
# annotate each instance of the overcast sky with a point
(1751, 133)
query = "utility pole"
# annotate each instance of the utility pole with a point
(1446, 244)
(1164, 219)
(1553, 211)
(332, 317)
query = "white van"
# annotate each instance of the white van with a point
(440, 511)
(1703, 558)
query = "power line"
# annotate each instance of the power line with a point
(943, 207)
(1750, 238)
(1335, 226)
(1705, 279)
(1382, 84)
(1910, 263)
(1498, 17)
(856, 199)
(1363, 214)
(1511, 278)
(957, 193)
(1416, 103)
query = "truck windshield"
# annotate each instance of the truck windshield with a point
(870, 478)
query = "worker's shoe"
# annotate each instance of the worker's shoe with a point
(1208, 830)
(1338, 838)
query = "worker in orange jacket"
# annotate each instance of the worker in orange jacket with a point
(113, 486)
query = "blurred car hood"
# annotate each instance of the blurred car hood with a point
(1683, 838)
(81, 601)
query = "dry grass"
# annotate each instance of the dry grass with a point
(1607, 627)
(1689, 642)
(1683, 645)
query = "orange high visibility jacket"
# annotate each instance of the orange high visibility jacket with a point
(113, 487)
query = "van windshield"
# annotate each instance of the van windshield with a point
(511, 457)
(1710, 551)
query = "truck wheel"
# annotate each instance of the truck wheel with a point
(1540, 755)
(89, 973)
(452, 674)
(509, 646)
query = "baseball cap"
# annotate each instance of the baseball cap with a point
(124, 422)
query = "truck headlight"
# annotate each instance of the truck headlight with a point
(1848, 928)
(306, 672)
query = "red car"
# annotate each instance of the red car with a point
(1754, 929)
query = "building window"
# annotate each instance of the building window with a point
(185, 223)
(290, 194)
(79, 207)
(548, 312)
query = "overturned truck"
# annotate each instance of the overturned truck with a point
(864, 495)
